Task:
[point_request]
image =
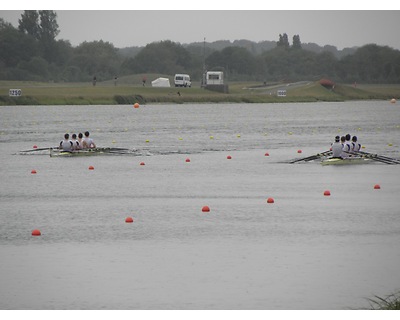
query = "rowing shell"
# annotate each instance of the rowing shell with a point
(76, 153)
(339, 161)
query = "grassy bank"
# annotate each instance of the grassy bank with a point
(130, 90)
(391, 302)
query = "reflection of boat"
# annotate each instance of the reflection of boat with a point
(340, 161)
(88, 152)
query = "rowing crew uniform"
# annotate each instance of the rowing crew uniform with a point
(66, 145)
(88, 143)
(75, 145)
(355, 147)
(345, 149)
(336, 150)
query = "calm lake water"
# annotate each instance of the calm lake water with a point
(304, 251)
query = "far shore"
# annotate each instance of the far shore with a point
(110, 93)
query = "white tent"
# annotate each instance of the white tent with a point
(160, 82)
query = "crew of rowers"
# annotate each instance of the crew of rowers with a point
(344, 146)
(77, 142)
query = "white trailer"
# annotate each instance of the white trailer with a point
(214, 78)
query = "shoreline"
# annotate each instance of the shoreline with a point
(105, 93)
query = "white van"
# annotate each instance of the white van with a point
(182, 80)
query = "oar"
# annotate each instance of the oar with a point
(371, 156)
(315, 156)
(39, 149)
(110, 149)
(379, 156)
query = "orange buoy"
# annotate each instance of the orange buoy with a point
(91, 168)
(129, 220)
(33, 171)
(266, 154)
(393, 100)
(377, 186)
(187, 160)
(142, 163)
(229, 157)
(270, 200)
(206, 209)
(327, 193)
(136, 105)
(36, 232)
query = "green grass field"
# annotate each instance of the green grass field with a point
(129, 90)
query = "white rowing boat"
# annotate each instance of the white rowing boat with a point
(88, 152)
(75, 153)
(346, 161)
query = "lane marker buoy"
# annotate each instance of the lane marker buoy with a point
(327, 193)
(129, 220)
(36, 232)
(270, 200)
(377, 186)
(33, 171)
(205, 209)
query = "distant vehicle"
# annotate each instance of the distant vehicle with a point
(214, 78)
(182, 80)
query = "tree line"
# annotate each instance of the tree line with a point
(31, 52)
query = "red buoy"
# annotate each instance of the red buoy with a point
(270, 200)
(187, 160)
(267, 154)
(129, 220)
(35, 146)
(299, 151)
(327, 193)
(33, 171)
(229, 157)
(36, 232)
(91, 168)
(377, 186)
(142, 163)
(206, 209)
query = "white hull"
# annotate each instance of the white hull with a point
(347, 161)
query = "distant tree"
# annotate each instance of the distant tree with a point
(96, 57)
(15, 46)
(283, 41)
(29, 23)
(164, 57)
(296, 42)
(48, 25)
(35, 69)
(235, 61)
(42, 24)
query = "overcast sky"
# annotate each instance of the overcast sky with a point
(139, 27)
